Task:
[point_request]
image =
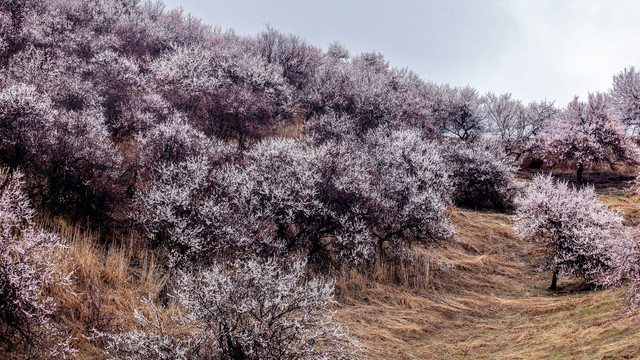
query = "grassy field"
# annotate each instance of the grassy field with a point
(485, 299)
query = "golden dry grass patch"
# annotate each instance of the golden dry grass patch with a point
(490, 303)
(108, 284)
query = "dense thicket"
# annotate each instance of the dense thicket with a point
(218, 146)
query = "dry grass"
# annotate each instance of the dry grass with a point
(108, 285)
(294, 129)
(486, 300)
(477, 296)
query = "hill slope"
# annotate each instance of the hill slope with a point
(486, 300)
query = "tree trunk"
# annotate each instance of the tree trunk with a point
(554, 281)
(579, 174)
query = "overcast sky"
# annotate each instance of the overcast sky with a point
(534, 49)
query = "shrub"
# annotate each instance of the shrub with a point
(411, 183)
(245, 310)
(576, 230)
(625, 270)
(176, 141)
(28, 267)
(483, 176)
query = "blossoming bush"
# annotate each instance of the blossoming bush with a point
(244, 310)
(577, 231)
(28, 267)
(483, 176)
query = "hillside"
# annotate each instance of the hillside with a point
(493, 303)
(484, 299)
(172, 191)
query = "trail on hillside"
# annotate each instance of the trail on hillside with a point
(486, 300)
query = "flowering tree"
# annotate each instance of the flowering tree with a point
(625, 96)
(458, 112)
(585, 135)
(311, 196)
(80, 166)
(576, 230)
(183, 208)
(12, 18)
(117, 78)
(337, 52)
(24, 112)
(145, 28)
(506, 120)
(263, 311)
(412, 185)
(299, 60)
(61, 142)
(53, 75)
(230, 92)
(71, 161)
(330, 127)
(514, 124)
(353, 88)
(245, 310)
(365, 89)
(626, 270)
(410, 102)
(538, 115)
(156, 336)
(175, 141)
(29, 264)
(483, 175)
